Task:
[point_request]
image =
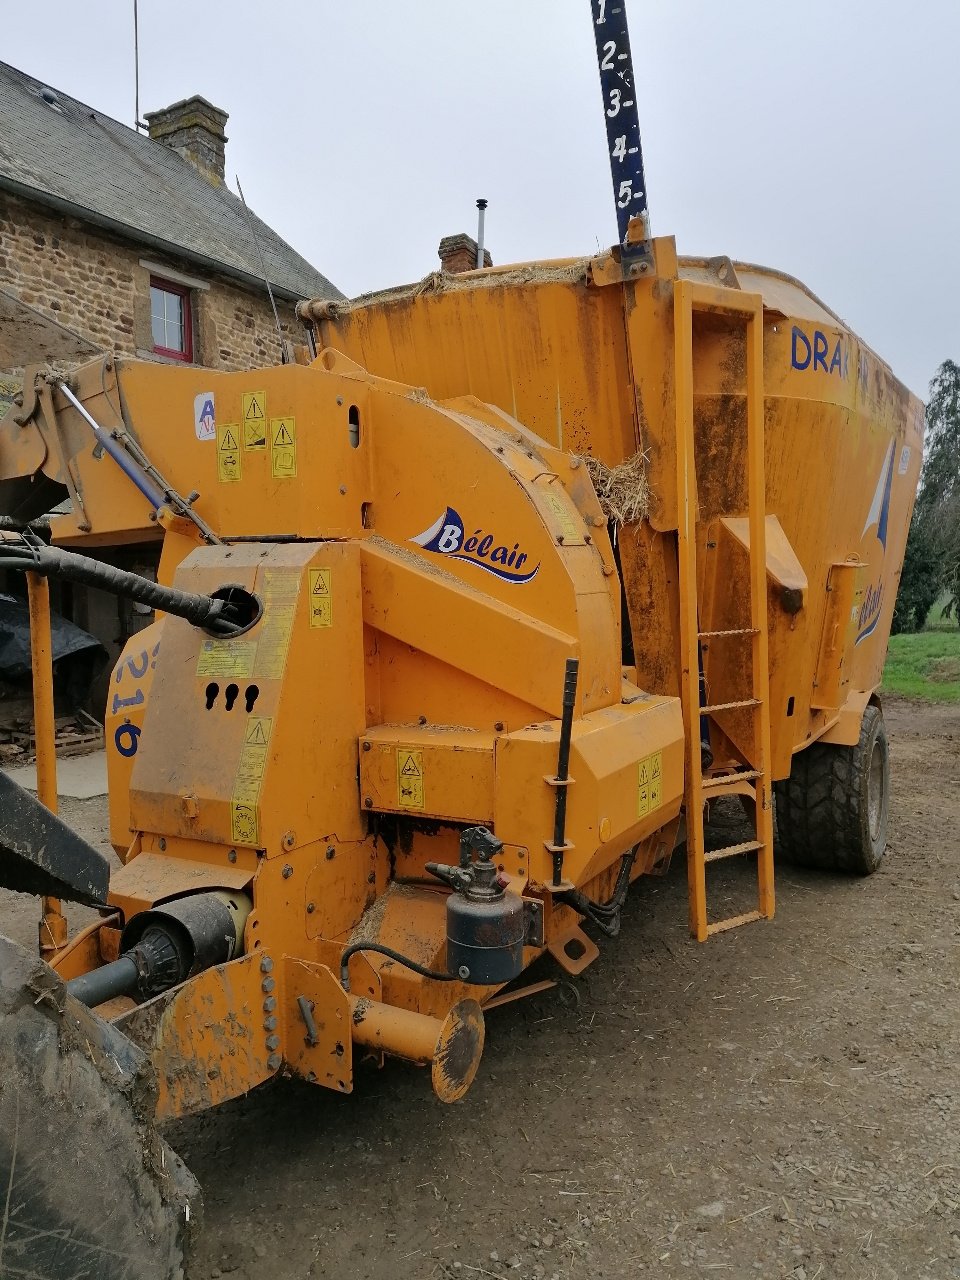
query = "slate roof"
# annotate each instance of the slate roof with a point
(81, 162)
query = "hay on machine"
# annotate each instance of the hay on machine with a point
(622, 491)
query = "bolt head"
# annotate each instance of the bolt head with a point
(274, 1061)
(289, 839)
(270, 1024)
(268, 985)
(287, 871)
(266, 964)
(366, 746)
(367, 802)
(331, 852)
(310, 908)
(463, 972)
(232, 855)
(269, 1004)
(273, 1042)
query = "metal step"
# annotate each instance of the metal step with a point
(736, 631)
(719, 780)
(734, 922)
(732, 850)
(730, 706)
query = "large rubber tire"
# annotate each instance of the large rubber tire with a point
(832, 810)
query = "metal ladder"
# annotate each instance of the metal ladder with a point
(690, 298)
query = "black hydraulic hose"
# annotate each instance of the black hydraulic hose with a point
(605, 915)
(33, 556)
(389, 952)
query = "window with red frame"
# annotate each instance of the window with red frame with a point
(171, 319)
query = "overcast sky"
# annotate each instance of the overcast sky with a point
(820, 137)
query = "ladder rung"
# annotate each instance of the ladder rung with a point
(732, 850)
(719, 780)
(737, 631)
(730, 706)
(721, 926)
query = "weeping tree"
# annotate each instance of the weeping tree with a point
(932, 561)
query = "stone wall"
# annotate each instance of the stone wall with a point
(95, 284)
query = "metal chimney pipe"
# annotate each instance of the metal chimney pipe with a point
(482, 208)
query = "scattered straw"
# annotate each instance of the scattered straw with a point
(574, 271)
(623, 490)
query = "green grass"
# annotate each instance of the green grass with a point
(926, 665)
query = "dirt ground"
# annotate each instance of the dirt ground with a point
(781, 1102)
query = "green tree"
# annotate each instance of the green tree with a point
(920, 581)
(932, 561)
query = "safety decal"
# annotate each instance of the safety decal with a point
(255, 420)
(650, 784)
(409, 778)
(283, 447)
(204, 416)
(280, 588)
(227, 658)
(246, 787)
(228, 453)
(448, 537)
(561, 513)
(321, 601)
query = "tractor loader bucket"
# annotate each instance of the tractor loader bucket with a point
(88, 1188)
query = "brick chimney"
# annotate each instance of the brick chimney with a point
(459, 253)
(194, 128)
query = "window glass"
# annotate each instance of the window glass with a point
(169, 318)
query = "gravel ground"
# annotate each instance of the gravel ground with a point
(781, 1102)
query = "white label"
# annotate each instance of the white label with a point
(904, 460)
(204, 416)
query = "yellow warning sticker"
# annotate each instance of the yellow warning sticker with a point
(244, 825)
(258, 731)
(409, 778)
(321, 601)
(227, 658)
(254, 436)
(650, 784)
(228, 453)
(283, 447)
(564, 518)
(280, 588)
(246, 788)
(255, 420)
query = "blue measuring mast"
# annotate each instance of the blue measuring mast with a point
(622, 118)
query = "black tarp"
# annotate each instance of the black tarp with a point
(77, 655)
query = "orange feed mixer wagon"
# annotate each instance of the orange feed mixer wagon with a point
(458, 623)
(461, 624)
